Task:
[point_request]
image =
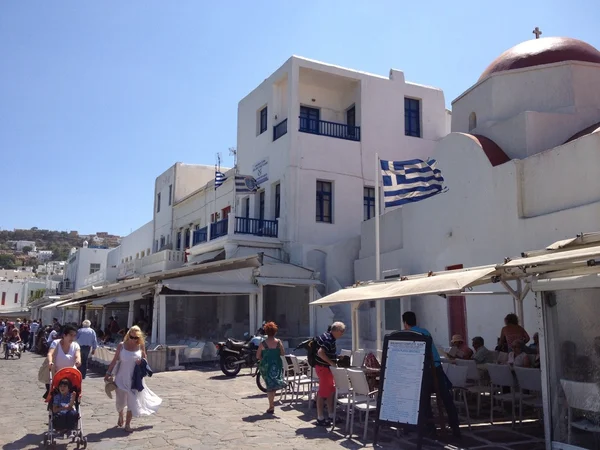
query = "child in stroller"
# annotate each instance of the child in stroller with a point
(13, 344)
(64, 412)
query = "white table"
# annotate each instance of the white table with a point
(177, 348)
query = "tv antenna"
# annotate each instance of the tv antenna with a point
(218, 163)
(233, 152)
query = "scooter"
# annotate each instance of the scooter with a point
(233, 355)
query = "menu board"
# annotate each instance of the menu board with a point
(402, 380)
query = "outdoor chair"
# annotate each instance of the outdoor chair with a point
(360, 391)
(300, 380)
(288, 378)
(458, 377)
(583, 397)
(474, 381)
(358, 358)
(500, 377)
(343, 394)
(531, 381)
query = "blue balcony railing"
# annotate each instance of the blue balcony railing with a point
(280, 129)
(199, 236)
(256, 227)
(331, 129)
(218, 229)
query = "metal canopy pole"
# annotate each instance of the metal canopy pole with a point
(379, 304)
(354, 313)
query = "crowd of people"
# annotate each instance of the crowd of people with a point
(512, 342)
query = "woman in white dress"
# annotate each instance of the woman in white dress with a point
(137, 403)
(64, 352)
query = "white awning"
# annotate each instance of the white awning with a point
(226, 282)
(204, 257)
(581, 254)
(449, 282)
(123, 298)
(584, 281)
(55, 304)
(287, 281)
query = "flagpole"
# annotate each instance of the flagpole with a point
(377, 248)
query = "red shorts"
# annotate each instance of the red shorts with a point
(326, 383)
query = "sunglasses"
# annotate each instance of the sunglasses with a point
(136, 338)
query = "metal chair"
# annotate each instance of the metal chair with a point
(360, 390)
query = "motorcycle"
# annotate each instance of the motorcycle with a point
(234, 354)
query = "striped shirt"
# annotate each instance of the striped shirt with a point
(327, 342)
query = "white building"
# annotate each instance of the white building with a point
(123, 260)
(523, 169)
(15, 294)
(20, 245)
(309, 134)
(85, 267)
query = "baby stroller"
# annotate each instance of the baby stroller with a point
(75, 433)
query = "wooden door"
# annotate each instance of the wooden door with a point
(457, 313)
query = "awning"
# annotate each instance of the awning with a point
(227, 282)
(204, 257)
(123, 298)
(287, 281)
(581, 254)
(449, 282)
(55, 304)
(583, 281)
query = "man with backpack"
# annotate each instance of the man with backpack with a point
(325, 355)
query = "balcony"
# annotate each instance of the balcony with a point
(280, 129)
(218, 229)
(158, 262)
(65, 287)
(256, 227)
(199, 236)
(330, 129)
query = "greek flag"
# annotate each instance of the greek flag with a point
(219, 178)
(410, 181)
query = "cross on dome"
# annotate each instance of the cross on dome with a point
(537, 32)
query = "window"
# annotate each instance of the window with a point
(309, 119)
(186, 242)
(261, 205)
(393, 311)
(147, 251)
(155, 245)
(225, 212)
(16, 297)
(247, 207)
(162, 242)
(94, 268)
(178, 245)
(351, 120)
(263, 120)
(170, 194)
(3, 298)
(324, 210)
(143, 254)
(472, 121)
(369, 202)
(158, 202)
(277, 200)
(412, 117)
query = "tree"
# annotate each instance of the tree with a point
(27, 249)
(7, 261)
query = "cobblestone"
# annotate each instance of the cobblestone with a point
(200, 410)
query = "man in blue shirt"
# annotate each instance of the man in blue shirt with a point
(86, 338)
(409, 319)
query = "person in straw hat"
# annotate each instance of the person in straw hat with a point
(459, 349)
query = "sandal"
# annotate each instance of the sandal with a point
(120, 422)
(271, 411)
(128, 429)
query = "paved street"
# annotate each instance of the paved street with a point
(200, 410)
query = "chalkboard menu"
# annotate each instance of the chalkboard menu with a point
(405, 371)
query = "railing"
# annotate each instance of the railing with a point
(331, 129)
(165, 255)
(199, 236)
(280, 129)
(256, 227)
(218, 229)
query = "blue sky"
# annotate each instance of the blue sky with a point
(98, 98)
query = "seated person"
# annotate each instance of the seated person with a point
(482, 355)
(63, 407)
(13, 340)
(534, 347)
(518, 357)
(459, 349)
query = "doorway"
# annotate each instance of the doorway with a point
(457, 312)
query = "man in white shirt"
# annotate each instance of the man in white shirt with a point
(33, 328)
(53, 334)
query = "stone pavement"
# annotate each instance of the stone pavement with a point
(200, 410)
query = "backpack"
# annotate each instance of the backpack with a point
(312, 347)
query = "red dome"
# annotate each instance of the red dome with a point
(537, 52)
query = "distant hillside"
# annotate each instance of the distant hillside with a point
(60, 242)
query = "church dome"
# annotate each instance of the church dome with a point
(537, 52)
